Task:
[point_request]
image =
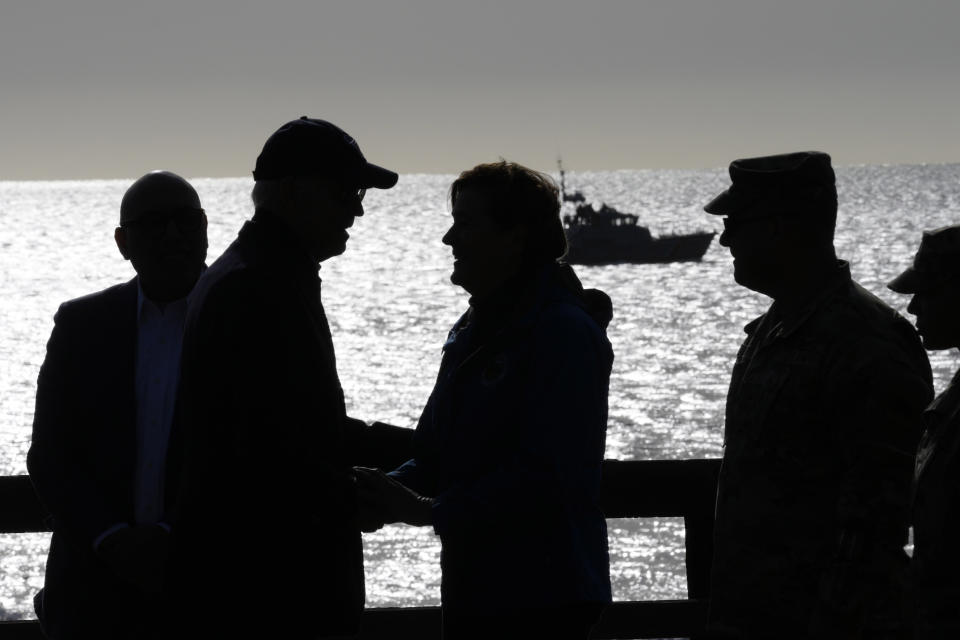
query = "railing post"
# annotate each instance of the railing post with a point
(22, 512)
(698, 538)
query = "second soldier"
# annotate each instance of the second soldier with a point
(821, 423)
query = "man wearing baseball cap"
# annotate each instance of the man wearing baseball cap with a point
(934, 282)
(820, 427)
(267, 539)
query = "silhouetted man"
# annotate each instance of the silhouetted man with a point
(267, 543)
(105, 402)
(934, 281)
(821, 423)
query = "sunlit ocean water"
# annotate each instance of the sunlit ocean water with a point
(675, 331)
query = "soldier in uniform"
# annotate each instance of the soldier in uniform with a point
(821, 423)
(934, 281)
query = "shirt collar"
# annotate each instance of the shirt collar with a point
(146, 305)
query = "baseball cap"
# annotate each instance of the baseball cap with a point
(311, 147)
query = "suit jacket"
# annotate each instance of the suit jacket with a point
(266, 514)
(81, 460)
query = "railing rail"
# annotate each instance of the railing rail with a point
(631, 489)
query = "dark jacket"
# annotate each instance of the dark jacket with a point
(511, 443)
(265, 539)
(812, 507)
(82, 457)
(936, 520)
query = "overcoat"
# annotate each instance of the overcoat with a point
(511, 443)
(265, 539)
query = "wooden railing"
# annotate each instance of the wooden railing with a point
(631, 489)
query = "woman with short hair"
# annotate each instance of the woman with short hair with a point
(509, 447)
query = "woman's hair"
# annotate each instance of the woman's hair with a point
(520, 197)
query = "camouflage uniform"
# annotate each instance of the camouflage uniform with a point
(936, 520)
(933, 281)
(821, 428)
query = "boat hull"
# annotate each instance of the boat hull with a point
(629, 244)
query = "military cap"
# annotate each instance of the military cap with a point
(937, 260)
(804, 177)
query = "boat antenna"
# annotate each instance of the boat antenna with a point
(563, 188)
(577, 196)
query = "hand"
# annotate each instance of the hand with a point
(369, 518)
(137, 555)
(379, 493)
(370, 515)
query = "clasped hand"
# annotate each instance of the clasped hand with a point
(383, 500)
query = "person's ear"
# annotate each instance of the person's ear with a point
(780, 229)
(120, 237)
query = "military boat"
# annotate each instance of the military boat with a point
(608, 236)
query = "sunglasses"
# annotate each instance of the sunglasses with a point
(155, 223)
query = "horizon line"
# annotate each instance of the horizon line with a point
(439, 173)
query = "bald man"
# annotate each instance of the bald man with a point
(104, 406)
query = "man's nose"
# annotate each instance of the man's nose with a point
(171, 230)
(724, 239)
(912, 307)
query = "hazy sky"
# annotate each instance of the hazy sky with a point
(115, 88)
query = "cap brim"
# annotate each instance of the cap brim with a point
(729, 202)
(375, 177)
(910, 281)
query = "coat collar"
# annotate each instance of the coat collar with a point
(517, 305)
(267, 241)
(520, 308)
(785, 327)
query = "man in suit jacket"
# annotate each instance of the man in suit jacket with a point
(267, 542)
(104, 407)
